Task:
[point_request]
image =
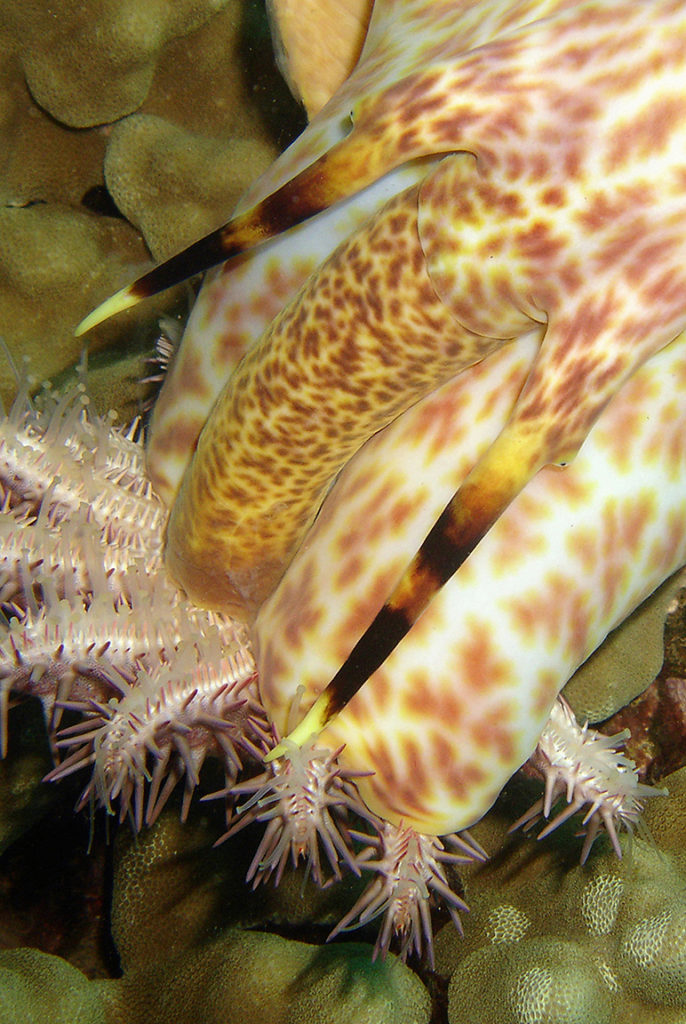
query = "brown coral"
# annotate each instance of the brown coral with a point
(151, 164)
(56, 260)
(69, 50)
(65, 245)
(601, 944)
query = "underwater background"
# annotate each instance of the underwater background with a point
(127, 130)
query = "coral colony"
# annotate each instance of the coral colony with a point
(93, 625)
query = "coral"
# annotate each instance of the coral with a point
(68, 51)
(40, 161)
(559, 943)
(54, 259)
(627, 662)
(64, 244)
(37, 986)
(150, 164)
(544, 936)
(182, 946)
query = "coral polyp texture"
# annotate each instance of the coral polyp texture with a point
(598, 944)
(169, 134)
(421, 449)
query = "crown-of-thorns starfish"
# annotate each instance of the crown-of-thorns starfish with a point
(563, 205)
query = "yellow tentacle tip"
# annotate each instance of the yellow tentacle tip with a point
(121, 300)
(312, 724)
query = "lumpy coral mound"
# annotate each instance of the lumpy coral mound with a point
(127, 129)
(178, 929)
(67, 50)
(600, 944)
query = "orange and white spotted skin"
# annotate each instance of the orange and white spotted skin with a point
(564, 203)
(236, 305)
(460, 703)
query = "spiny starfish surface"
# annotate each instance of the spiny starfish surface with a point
(94, 627)
(93, 623)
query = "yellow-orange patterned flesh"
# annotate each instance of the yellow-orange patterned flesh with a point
(462, 700)
(568, 208)
(563, 207)
(301, 403)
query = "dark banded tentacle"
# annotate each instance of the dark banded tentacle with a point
(345, 169)
(491, 486)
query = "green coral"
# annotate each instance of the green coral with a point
(36, 987)
(565, 944)
(176, 185)
(140, 103)
(178, 917)
(627, 661)
(546, 942)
